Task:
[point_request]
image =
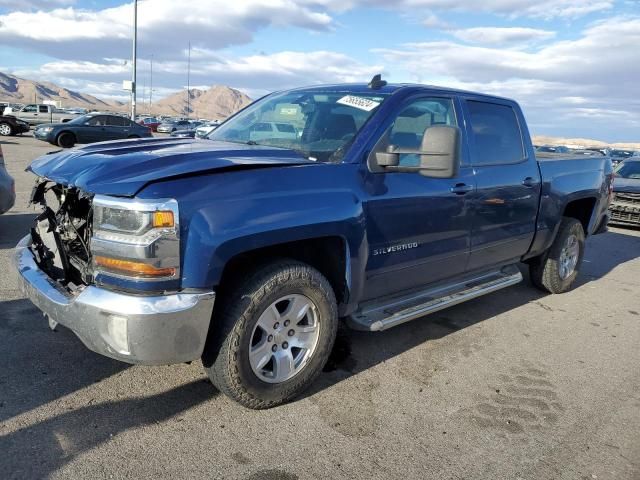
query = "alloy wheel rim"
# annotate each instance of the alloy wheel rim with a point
(284, 339)
(569, 256)
(5, 130)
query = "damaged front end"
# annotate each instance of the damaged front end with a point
(62, 233)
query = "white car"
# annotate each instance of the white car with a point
(264, 130)
(205, 129)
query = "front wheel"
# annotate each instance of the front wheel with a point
(557, 269)
(5, 129)
(272, 338)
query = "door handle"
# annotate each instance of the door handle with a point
(529, 182)
(461, 188)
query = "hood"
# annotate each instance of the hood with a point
(626, 185)
(123, 168)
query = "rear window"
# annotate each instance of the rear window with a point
(496, 133)
(116, 121)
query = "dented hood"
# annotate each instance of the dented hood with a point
(123, 168)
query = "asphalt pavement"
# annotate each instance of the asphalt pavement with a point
(514, 385)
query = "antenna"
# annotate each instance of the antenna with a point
(376, 82)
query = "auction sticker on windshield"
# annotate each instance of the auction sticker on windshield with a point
(358, 102)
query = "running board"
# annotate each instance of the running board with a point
(401, 309)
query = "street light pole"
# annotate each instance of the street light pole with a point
(134, 60)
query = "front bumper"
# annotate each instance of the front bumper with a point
(158, 330)
(44, 136)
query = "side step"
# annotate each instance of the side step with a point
(396, 310)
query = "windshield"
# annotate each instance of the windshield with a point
(628, 170)
(318, 124)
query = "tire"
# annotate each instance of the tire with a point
(238, 344)
(66, 140)
(5, 129)
(557, 269)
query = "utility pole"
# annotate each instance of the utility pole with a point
(151, 85)
(134, 60)
(189, 80)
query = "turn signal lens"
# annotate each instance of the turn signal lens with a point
(135, 269)
(163, 219)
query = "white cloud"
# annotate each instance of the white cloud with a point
(254, 73)
(34, 4)
(592, 78)
(502, 35)
(71, 33)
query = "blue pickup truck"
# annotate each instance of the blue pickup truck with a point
(246, 249)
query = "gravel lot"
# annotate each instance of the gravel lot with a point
(515, 385)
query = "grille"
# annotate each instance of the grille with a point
(631, 217)
(631, 198)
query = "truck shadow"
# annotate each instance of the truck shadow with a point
(41, 449)
(39, 366)
(355, 352)
(13, 227)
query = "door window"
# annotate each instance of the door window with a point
(116, 121)
(43, 109)
(30, 109)
(409, 126)
(496, 132)
(97, 121)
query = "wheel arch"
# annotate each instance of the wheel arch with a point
(328, 254)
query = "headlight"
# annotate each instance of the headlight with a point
(136, 238)
(45, 129)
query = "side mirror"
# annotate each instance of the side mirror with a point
(440, 157)
(439, 154)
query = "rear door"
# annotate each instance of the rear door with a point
(93, 130)
(505, 203)
(117, 127)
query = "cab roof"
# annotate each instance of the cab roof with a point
(392, 88)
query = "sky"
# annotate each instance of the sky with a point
(573, 65)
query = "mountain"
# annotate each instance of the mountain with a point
(582, 142)
(215, 103)
(20, 90)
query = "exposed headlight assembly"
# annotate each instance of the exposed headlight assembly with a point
(135, 238)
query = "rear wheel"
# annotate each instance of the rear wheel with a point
(66, 140)
(5, 129)
(558, 268)
(273, 336)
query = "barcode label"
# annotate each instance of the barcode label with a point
(358, 102)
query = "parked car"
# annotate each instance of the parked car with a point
(263, 130)
(93, 127)
(172, 126)
(618, 156)
(10, 125)
(625, 206)
(38, 113)
(206, 128)
(190, 133)
(150, 122)
(7, 187)
(394, 202)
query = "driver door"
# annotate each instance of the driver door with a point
(418, 228)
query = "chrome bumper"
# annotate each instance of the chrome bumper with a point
(157, 330)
